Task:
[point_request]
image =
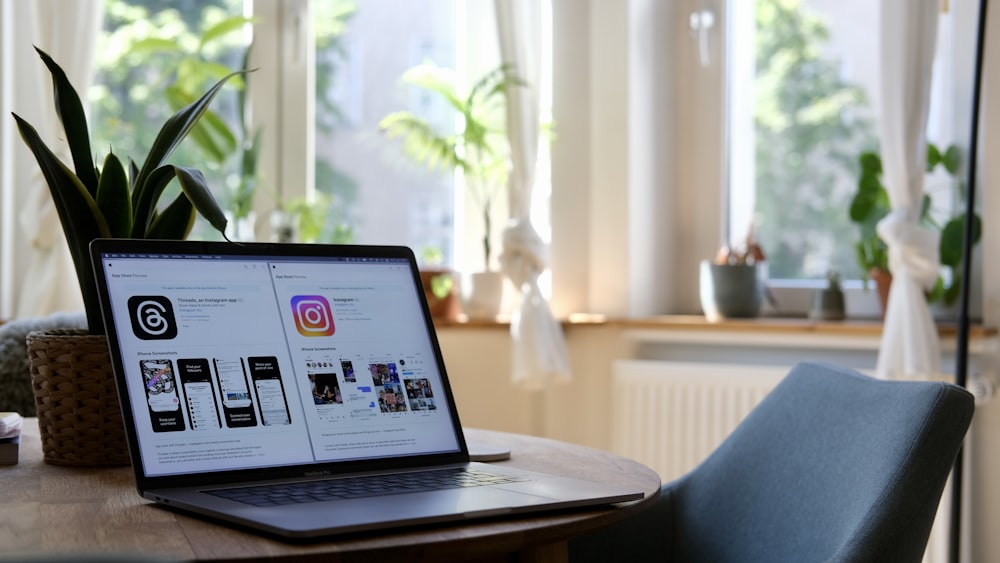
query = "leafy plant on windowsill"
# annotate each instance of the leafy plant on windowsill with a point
(112, 201)
(871, 204)
(478, 148)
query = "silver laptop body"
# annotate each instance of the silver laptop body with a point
(298, 390)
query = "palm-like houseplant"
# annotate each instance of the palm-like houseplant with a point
(114, 202)
(871, 204)
(477, 146)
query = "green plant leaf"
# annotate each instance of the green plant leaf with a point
(155, 45)
(952, 292)
(241, 94)
(871, 162)
(436, 79)
(144, 208)
(925, 209)
(173, 132)
(195, 187)
(175, 222)
(113, 197)
(79, 216)
(69, 108)
(441, 285)
(952, 160)
(77, 208)
(937, 292)
(870, 183)
(224, 27)
(862, 206)
(494, 84)
(952, 237)
(133, 174)
(251, 154)
(933, 156)
(211, 133)
(422, 142)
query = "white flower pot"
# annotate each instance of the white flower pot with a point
(482, 294)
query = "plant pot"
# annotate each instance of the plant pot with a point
(828, 305)
(883, 281)
(79, 418)
(441, 290)
(482, 295)
(730, 290)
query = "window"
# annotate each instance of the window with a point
(803, 88)
(809, 113)
(375, 192)
(155, 57)
(324, 169)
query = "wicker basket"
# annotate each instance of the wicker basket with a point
(79, 418)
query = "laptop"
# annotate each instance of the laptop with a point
(298, 390)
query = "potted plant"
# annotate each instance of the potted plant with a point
(70, 368)
(440, 285)
(112, 200)
(478, 148)
(732, 286)
(871, 203)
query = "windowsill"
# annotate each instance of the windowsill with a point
(865, 328)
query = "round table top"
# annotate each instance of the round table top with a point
(60, 510)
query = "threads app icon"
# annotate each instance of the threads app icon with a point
(313, 316)
(152, 317)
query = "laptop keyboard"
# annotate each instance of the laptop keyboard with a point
(361, 487)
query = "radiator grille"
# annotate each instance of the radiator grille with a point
(671, 415)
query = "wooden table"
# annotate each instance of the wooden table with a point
(46, 509)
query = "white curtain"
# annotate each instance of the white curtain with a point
(539, 350)
(910, 345)
(68, 32)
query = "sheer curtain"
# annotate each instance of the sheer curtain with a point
(539, 349)
(68, 32)
(910, 345)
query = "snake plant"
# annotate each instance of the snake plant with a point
(113, 201)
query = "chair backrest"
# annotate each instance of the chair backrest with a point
(831, 466)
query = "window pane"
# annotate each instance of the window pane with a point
(803, 99)
(377, 194)
(154, 57)
(803, 91)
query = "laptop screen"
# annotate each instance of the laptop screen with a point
(235, 361)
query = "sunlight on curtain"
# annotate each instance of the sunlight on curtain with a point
(68, 32)
(539, 349)
(910, 346)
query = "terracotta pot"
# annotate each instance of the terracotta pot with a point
(882, 279)
(445, 307)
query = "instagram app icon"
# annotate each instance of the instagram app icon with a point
(313, 316)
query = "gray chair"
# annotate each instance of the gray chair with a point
(831, 466)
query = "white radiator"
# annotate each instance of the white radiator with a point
(671, 415)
